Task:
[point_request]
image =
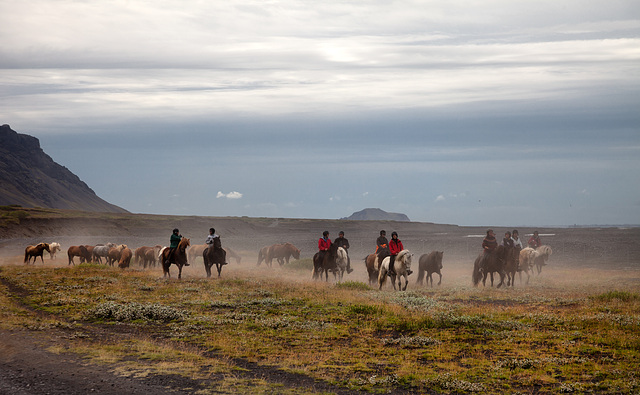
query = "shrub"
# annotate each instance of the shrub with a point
(136, 311)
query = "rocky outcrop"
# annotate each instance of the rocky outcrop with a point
(376, 214)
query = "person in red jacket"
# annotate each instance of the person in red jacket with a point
(395, 246)
(323, 245)
(534, 242)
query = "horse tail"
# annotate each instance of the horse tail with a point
(477, 275)
(26, 254)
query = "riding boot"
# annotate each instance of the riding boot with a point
(391, 272)
(186, 264)
(409, 271)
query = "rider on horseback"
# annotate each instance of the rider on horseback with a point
(174, 241)
(395, 246)
(323, 245)
(489, 244)
(341, 241)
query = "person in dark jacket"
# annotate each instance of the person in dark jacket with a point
(381, 241)
(341, 241)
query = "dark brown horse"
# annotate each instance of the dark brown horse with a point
(35, 252)
(325, 262)
(488, 263)
(430, 263)
(373, 261)
(80, 251)
(282, 253)
(146, 256)
(214, 255)
(179, 257)
(511, 266)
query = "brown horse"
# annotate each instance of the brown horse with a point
(373, 261)
(125, 257)
(430, 263)
(511, 266)
(282, 253)
(114, 254)
(214, 255)
(146, 255)
(80, 251)
(179, 257)
(488, 263)
(195, 251)
(231, 253)
(35, 252)
(325, 262)
(262, 255)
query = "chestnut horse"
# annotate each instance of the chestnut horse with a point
(35, 252)
(372, 262)
(262, 255)
(179, 257)
(430, 263)
(80, 251)
(125, 257)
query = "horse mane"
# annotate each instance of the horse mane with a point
(401, 254)
(184, 242)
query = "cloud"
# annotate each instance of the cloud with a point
(230, 195)
(440, 198)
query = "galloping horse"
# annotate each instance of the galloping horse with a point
(35, 252)
(214, 254)
(490, 262)
(430, 263)
(53, 248)
(372, 262)
(179, 257)
(282, 253)
(402, 265)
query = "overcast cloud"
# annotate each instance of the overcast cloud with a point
(493, 113)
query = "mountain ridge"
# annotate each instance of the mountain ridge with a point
(31, 178)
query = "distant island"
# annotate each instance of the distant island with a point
(376, 214)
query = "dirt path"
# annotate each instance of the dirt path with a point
(27, 367)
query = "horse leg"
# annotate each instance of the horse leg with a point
(219, 267)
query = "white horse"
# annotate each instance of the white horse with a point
(102, 251)
(53, 248)
(402, 265)
(530, 257)
(341, 262)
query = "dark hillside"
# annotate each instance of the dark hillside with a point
(30, 178)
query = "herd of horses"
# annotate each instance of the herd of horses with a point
(503, 261)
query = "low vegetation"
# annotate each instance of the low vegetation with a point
(548, 338)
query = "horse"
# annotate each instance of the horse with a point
(114, 254)
(542, 256)
(195, 251)
(334, 260)
(146, 256)
(214, 254)
(235, 255)
(179, 257)
(35, 252)
(372, 262)
(125, 257)
(100, 251)
(489, 263)
(401, 265)
(282, 253)
(430, 263)
(262, 255)
(512, 265)
(53, 248)
(80, 251)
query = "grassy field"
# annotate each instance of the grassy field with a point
(568, 331)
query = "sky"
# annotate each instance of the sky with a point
(493, 112)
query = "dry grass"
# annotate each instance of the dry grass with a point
(567, 331)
